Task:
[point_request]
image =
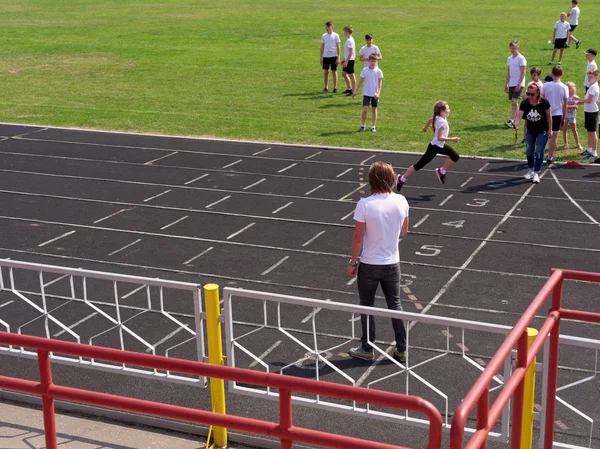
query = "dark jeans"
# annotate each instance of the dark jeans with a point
(536, 144)
(369, 277)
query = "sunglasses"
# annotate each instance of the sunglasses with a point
(531, 93)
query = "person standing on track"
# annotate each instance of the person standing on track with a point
(536, 110)
(438, 145)
(380, 220)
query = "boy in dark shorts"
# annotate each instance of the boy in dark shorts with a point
(372, 77)
(574, 15)
(330, 56)
(348, 62)
(559, 36)
(515, 80)
(590, 108)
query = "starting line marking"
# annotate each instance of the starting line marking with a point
(232, 164)
(254, 184)
(156, 196)
(125, 247)
(162, 340)
(314, 190)
(161, 158)
(83, 320)
(344, 172)
(312, 155)
(282, 207)
(240, 231)
(217, 202)
(308, 242)
(110, 216)
(446, 200)
(187, 262)
(421, 221)
(272, 267)
(313, 313)
(484, 166)
(261, 151)
(466, 182)
(174, 223)
(346, 216)
(264, 354)
(196, 179)
(287, 168)
(56, 238)
(354, 191)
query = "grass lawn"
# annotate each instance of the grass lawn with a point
(249, 69)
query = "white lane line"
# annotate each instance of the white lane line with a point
(308, 242)
(217, 202)
(254, 184)
(282, 207)
(313, 313)
(353, 192)
(133, 292)
(56, 238)
(110, 216)
(484, 166)
(446, 200)
(288, 167)
(162, 340)
(272, 267)
(83, 320)
(264, 354)
(187, 262)
(125, 247)
(53, 281)
(352, 281)
(174, 223)
(367, 159)
(575, 203)
(346, 216)
(421, 221)
(196, 179)
(240, 231)
(466, 182)
(261, 151)
(6, 303)
(156, 196)
(314, 190)
(232, 164)
(312, 155)
(160, 158)
(344, 172)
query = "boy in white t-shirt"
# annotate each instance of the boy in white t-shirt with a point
(574, 15)
(559, 36)
(590, 54)
(590, 108)
(348, 62)
(369, 49)
(330, 56)
(515, 80)
(372, 77)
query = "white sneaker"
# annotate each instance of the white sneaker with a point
(536, 178)
(591, 152)
(529, 174)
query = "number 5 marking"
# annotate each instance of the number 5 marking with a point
(479, 202)
(435, 250)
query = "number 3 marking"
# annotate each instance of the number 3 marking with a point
(435, 250)
(479, 202)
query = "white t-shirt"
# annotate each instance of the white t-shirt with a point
(349, 47)
(555, 93)
(440, 123)
(591, 66)
(330, 41)
(562, 29)
(594, 92)
(383, 214)
(366, 51)
(539, 84)
(574, 13)
(371, 82)
(514, 68)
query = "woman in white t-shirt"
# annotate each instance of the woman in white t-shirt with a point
(438, 145)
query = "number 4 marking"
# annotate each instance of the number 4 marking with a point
(455, 224)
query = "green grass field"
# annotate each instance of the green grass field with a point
(249, 69)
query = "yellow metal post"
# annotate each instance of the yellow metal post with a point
(215, 356)
(529, 397)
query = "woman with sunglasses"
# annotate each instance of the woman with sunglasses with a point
(536, 111)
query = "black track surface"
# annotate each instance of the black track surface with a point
(480, 247)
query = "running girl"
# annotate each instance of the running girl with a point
(438, 145)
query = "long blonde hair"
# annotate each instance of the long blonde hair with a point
(437, 109)
(381, 177)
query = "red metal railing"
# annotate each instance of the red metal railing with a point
(284, 431)
(480, 392)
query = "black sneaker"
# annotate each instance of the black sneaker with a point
(361, 129)
(348, 91)
(441, 177)
(550, 161)
(399, 183)
(596, 161)
(325, 90)
(577, 45)
(400, 356)
(509, 124)
(524, 142)
(335, 90)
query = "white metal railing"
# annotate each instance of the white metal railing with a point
(48, 299)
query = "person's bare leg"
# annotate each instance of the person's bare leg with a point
(325, 79)
(592, 140)
(374, 114)
(364, 114)
(346, 79)
(552, 146)
(565, 132)
(353, 80)
(575, 134)
(560, 55)
(409, 172)
(335, 79)
(553, 55)
(449, 163)
(515, 110)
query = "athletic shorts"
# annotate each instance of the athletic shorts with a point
(556, 121)
(560, 43)
(573, 28)
(514, 92)
(571, 119)
(591, 121)
(349, 69)
(370, 100)
(330, 62)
